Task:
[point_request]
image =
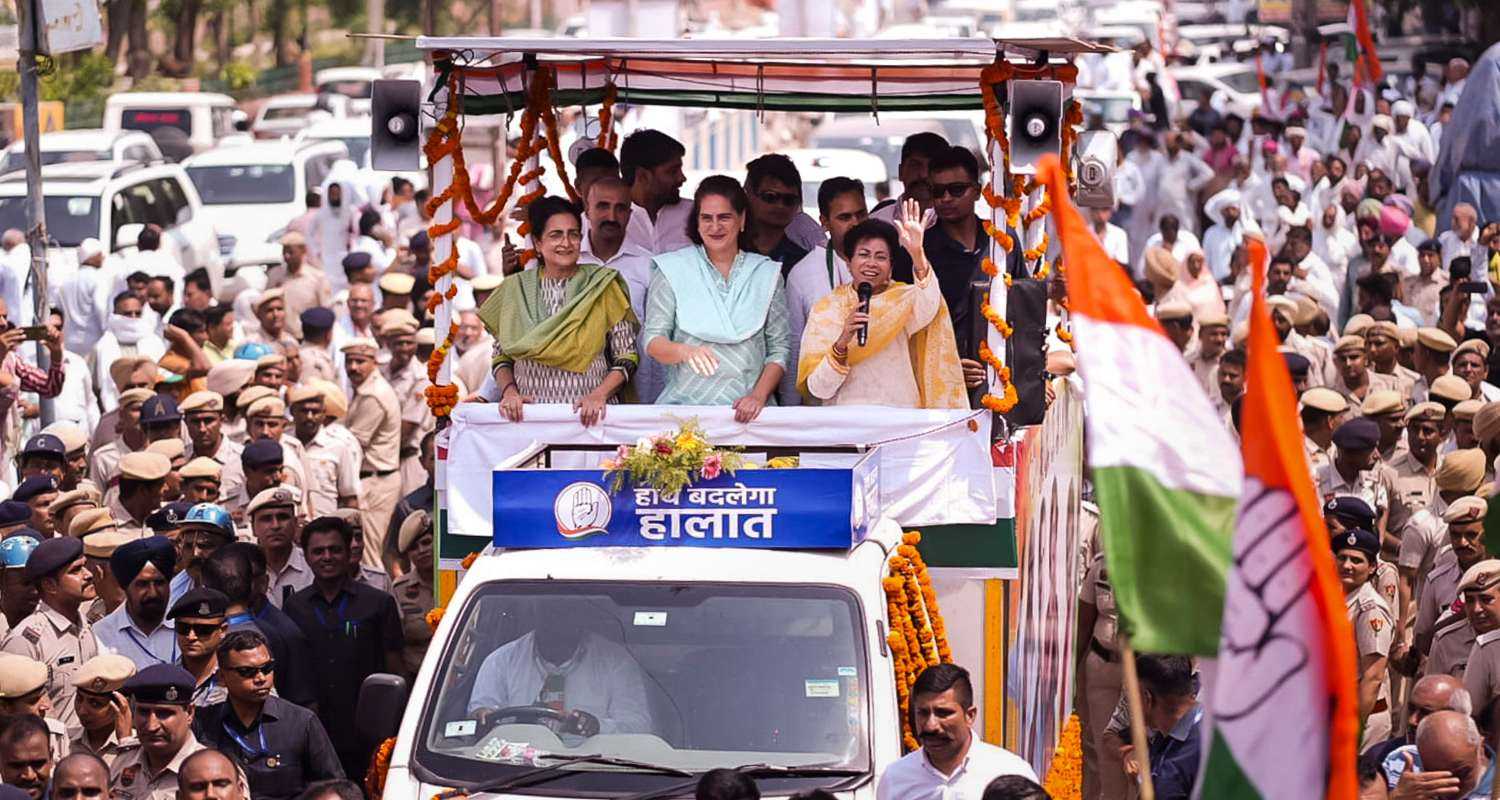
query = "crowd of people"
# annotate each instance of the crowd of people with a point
(224, 527)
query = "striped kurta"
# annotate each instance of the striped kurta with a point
(740, 364)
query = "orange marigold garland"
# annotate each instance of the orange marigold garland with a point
(434, 617)
(918, 639)
(607, 138)
(380, 764)
(1065, 776)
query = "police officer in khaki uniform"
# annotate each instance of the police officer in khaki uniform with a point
(70, 504)
(142, 476)
(203, 414)
(201, 479)
(317, 356)
(375, 420)
(408, 378)
(1356, 381)
(414, 590)
(98, 545)
(1100, 676)
(107, 725)
(104, 462)
(1465, 522)
(1430, 354)
(1456, 632)
(1414, 471)
(23, 690)
(1355, 551)
(1482, 673)
(1461, 432)
(1383, 343)
(56, 634)
(1386, 409)
(1423, 538)
(161, 696)
(1320, 410)
(1354, 469)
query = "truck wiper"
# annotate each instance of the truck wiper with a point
(547, 773)
(756, 771)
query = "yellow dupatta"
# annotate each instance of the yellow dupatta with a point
(934, 351)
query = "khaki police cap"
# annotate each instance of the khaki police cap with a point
(1350, 342)
(1473, 346)
(102, 544)
(145, 466)
(426, 337)
(202, 401)
(1451, 388)
(1323, 399)
(72, 436)
(397, 283)
(20, 676)
(1465, 510)
(1460, 471)
(1358, 324)
(1384, 328)
(269, 295)
(253, 393)
(361, 344)
(229, 376)
(171, 448)
(104, 673)
(135, 397)
(201, 467)
(1429, 411)
(1307, 310)
(1481, 576)
(83, 495)
(1282, 304)
(335, 402)
(301, 393)
(1436, 339)
(266, 407)
(1466, 410)
(270, 360)
(1382, 401)
(488, 282)
(1487, 423)
(1213, 319)
(412, 529)
(90, 521)
(274, 497)
(1174, 309)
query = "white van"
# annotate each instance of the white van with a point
(182, 123)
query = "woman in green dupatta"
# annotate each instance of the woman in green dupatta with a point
(564, 332)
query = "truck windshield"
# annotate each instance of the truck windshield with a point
(684, 676)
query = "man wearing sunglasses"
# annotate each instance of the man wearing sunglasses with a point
(775, 189)
(198, 618)
(281, 746)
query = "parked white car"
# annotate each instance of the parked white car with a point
(1233, 86)
(355, 83)
(255, 190)
(85, 144)
(1111, 108)
(113, 202)
(182, 123)
(352, 132)
(286, 114)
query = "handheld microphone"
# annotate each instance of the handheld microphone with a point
(864, 292)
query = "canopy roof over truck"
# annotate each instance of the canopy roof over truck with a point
(841, 75)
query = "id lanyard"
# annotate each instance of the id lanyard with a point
(130, 634)
(342, 607)
(251, 753)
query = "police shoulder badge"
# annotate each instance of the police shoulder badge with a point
(1376, 623)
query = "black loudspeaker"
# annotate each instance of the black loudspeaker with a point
(1035, 123)
(1026, 311)
(1096, 154)
(395, 130)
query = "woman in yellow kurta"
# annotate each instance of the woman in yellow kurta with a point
(909, 358)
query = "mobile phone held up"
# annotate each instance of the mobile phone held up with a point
(34, 333)
(1461, 268)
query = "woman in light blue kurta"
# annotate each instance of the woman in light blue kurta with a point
(716, 314)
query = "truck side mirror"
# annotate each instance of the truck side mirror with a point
(382, 701)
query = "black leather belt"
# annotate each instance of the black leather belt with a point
(377, 474)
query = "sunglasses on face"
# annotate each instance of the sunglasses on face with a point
(788, 199)
(255, 669)
(202, 630)
(955, 190)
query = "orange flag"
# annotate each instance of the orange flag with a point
(1285, 641)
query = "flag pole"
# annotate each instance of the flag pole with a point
(1137, 717)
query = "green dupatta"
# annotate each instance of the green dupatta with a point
(596, 301)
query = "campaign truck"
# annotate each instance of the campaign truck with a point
(611, 639)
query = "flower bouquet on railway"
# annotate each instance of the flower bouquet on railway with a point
(668, 462)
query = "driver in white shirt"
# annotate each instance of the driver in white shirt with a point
(593, 684)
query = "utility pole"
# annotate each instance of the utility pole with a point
(36, 210)
(375, 46)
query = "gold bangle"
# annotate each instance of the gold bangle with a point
(839, 353)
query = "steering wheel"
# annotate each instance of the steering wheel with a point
(526, 715)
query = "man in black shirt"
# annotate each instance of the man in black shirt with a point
(955, 246)
(281, 746)
(775, 190)
(238, 569)
(354, 631)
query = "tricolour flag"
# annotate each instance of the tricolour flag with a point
(1364, 58)
(1282, 712)
(1166, 474)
